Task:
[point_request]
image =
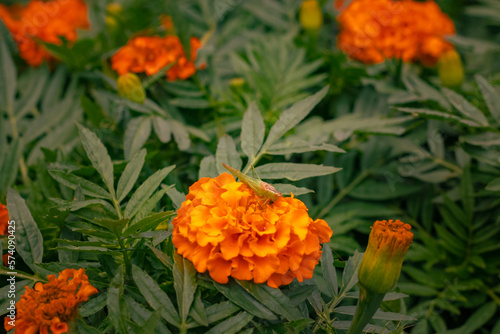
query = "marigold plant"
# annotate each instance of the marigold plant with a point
(4, 219)
(223, 227)
(52, 305)
(375, 30)
(46, 21)
(149, 54)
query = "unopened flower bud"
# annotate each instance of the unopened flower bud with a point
(130, 88)
(451, 70)
(381, 265)
(310, 15)
(113, 10)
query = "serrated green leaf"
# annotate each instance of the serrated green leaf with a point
(151, 203)
(288, 189)
(293, 116)
(94, 305)
(198, 311)
(130, 175)
(190, 103)
(98, 156)
(185, 284)
(329, 272)
(73, 182)
(274, 299)
(233, 324)
(113, 303)
(226, 153)
(181, 135)
(494, 185)
(293, 171)
(243, 299)
(220, 311)
(350, 275)
(465, 107)
(380, 191)
(29, 241)
(155, 296)
(10, 164)
(252, 131)
(145, 191)
(137, 133)
(207, 167)
(434, 114)
(162, 128)
(350, 310)
(147, 224)
(8, 78)
(491, 97)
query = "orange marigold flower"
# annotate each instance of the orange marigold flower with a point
(52, 305)
(4, 219)
(375, 30)
(149, 54)
(222, 227)
(387, 245)
(48, 21)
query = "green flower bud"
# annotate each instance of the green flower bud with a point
(310, 15)
(130, 88)
(450, 68)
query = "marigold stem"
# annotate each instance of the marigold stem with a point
(368, 303)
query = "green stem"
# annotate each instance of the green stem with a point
(117, 207)
(126, 259)
(21, 274)
(368, 304)
(343, 193)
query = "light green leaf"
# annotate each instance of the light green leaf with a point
(155, 296)
(162, 128)
(288, 189)
(494, 185)
(151, 203)
(434, 114)
(300, 146)
(273, 298)
(147, 224)
(232, 325)
(29, 241)
(7, 78)
(137, 133)
(293, 116)
(350, 275)
(226, 153)
(176, 196)
(207, 167)
(293, 171)
(94, 305)
(185, 284)
(99, 157)
(130, 175)
(145, 191)
(113, 303)
(465, 107)
(252, 131)
(181, 135)
(491, 97)
(73, 182)
(329, 272)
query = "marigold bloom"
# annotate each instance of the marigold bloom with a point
(375, 30)
(4, 219)
(149, 54)
(222, 227)
(47, 21)
(52, 305)
(381, 265)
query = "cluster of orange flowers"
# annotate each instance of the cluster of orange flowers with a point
(375, 30)
(46, 21)
(52, 305)
(223, 227)
(4, 219)
(149, 54)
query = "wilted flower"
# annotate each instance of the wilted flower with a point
(130, 87)
(47, 21)
(310, 15)
(149, 54)
(223, 227)
(451, 70)
(52, 305)
(375, 30)
(4, 219)
(387, 245)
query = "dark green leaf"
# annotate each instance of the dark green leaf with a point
(130, 175)
(233, 324)
(185, 284)
(329, 272)
(29, 241)
(99, 157)
(148, 223)
(293, 171)
(491, 97)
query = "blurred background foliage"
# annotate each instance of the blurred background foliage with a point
(414, 150)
